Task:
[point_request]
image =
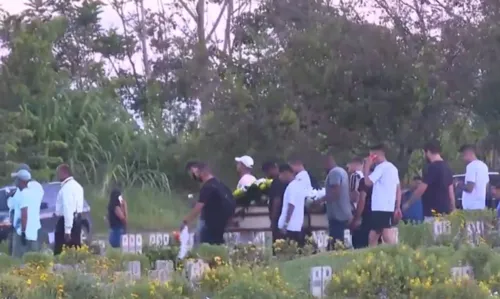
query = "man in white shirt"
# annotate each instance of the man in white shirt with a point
(476, 180)
(386, 196)
(69, 206)
(292, 213)
(244, 165)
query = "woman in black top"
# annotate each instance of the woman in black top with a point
(117, 217)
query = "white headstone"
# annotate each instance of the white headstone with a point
(164, 265)
(475, 231)
(462, 272)
(124, 275)
(138, 243)
(125, 243)
(159, 275)
(259, 239)
(166, 239)
(441, 227)
(152, 240)
(396, 234)
(321, 239)
(347, 239)
(131, 243)
(319, 279)
(134, 267)
(195, 270)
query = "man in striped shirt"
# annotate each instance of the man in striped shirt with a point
(355, 175)
(354, 169)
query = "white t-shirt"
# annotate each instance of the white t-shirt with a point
(385, 178)
(476, 172)
(295, 194)
(246, 181)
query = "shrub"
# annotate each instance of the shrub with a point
(39, 259)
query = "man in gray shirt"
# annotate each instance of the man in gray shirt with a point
(338, 201)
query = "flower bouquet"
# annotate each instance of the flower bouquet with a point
(255, 194)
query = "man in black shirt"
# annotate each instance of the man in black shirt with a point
(216, 204)
(276, 192)
(436, 189)
(360, 223)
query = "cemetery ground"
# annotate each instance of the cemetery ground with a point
(455, 257)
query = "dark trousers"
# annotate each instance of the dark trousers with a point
(212, 234)
(360, 236)
(75, 240)
(296, 237)
(336, 230)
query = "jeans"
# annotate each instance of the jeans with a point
(336, 230)
(115, 236)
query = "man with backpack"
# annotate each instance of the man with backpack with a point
(216, 204)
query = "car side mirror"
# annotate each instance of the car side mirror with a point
(44, 205)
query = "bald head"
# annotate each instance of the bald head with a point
(63, 172)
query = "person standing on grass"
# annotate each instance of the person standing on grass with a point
(216, 204)
(244, 165)
(276, 193)
(355, 170)
(338, 201)
(436, 189)
(117, 217)
(26, 214)
(386, 196)
(69, 207)
(292, 213)
(476, 180)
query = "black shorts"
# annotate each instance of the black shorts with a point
(381, 220)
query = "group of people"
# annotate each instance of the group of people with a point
(25, 201)
(366, 198)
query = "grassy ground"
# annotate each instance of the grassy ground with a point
(149, 210)
(296, 272)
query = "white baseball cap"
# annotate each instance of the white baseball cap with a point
(245, 160)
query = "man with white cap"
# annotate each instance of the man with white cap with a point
(244, 165)
(26, 204)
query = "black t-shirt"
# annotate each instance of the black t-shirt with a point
(368, 200)
(218, 203)
(114, 201)
(276, 190)
(438, 177)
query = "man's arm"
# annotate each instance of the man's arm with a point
(120, 214)
(398, 197)
(470, 178)
(195, 211)
(24, 213)
(361, 206)
(371, 178)
(451, 196)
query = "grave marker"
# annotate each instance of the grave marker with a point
(259, 239)
(124, 275)
(159, 275)
(475, 231)
(195, 270)
(462, 272)
(138, 243)
(347, 239)
(319, 278)
(441, 227)
(131, 243)
(321, 239)
(124, 243)
(134, 267)
(164, 265)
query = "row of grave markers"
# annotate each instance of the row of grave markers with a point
(321, 276)
(134, 243)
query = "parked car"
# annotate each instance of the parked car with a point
(458, 181)
(47, 210)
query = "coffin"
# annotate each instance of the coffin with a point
(256, 219)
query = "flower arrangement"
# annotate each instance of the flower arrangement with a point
(253, 194)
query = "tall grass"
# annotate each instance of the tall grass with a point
(149, 209)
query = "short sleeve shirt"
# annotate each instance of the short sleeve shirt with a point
(339, 209)
(477, 173)
(385, 178)
(31, 199)
(438, 177)
(218, 203)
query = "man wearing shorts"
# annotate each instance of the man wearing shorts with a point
(386, 196)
